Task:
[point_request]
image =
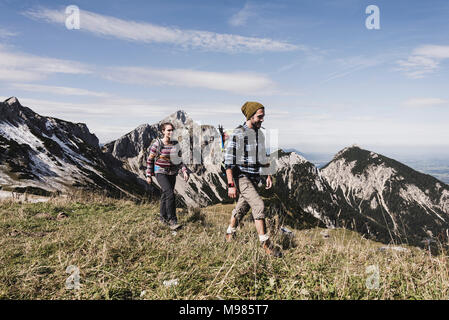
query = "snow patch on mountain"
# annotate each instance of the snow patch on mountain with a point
(20, 134)
(373, 204)
(11, 101)
(444, 200)
(67, 149)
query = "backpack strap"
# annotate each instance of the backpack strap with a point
(245, 150)
(159, 148)
(240, 127)
(257, 147)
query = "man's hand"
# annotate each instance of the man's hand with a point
(232, 192)
(149, 180)
(186, 176)
(269, 183)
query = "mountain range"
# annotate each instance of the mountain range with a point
(46, 155)
(358, 189)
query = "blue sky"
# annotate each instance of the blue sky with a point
(326, 80)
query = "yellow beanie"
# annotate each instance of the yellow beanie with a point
(250, 108)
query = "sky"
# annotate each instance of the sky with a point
(327, 78)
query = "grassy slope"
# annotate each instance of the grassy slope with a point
(121, 250)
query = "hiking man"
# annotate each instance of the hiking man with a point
(245, 155)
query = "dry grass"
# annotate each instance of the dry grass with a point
(123, 252)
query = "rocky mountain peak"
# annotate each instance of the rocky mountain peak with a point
(13, 112)
(179, 118)
(11, 101)
(288, 159)
(397, 202)
(353, 149)
(181, 115)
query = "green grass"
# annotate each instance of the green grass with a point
(122, 250)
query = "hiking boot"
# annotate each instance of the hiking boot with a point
(163, 222)
(271, 249)
(174, 225)
(230, 236)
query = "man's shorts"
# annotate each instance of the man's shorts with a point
(248, 198)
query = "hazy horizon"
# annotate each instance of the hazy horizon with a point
(325, 152)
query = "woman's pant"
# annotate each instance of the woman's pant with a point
(168, 206)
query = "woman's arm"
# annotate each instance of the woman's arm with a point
(150, 166)
(151, 159)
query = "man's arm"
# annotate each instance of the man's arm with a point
(232, 191)
(230, 163)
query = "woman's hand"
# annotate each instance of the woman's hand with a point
(149, 180)
(186, 176)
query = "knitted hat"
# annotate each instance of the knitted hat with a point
(250, 108)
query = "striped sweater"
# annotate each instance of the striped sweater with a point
(164, 158)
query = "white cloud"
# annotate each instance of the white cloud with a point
(433, 51)
(417, 67)
(236, 82)
(5, 33)
(58, 90)
(13, 74)
(15, 66)
(74, 111)
(423, 61)
(102, 25)
(242, 16)
(353, 64)
(20, 67)
(424, 102)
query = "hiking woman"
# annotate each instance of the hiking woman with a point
(160, 164)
